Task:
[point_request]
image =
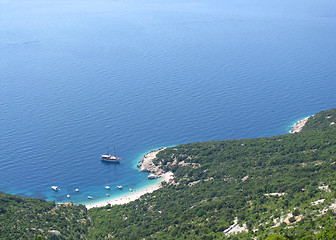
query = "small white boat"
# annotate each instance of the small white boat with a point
(152, 176)
(107, 194)
(131, 190)
(107, 188)
(120, 187)
(89, 197)
(68, 196)
(55, 188)
(77, 190)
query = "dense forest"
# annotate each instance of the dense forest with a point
(280, 187)
(31, 218)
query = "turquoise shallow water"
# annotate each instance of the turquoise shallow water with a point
(78, 76)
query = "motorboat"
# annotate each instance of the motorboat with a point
(152, 176)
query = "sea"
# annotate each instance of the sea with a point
(80, 76)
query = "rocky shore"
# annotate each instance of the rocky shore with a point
(146, 163)
(299, 125)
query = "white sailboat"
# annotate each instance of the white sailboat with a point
(110, 158)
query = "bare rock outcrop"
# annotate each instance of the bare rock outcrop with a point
(299, 125)
(147, 165)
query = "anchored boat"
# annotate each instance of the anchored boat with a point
(110, 158)
(152, 176)
(55, 188)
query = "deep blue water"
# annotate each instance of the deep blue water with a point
(78, 76)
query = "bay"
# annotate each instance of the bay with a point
(79, 76)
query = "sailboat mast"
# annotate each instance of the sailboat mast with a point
(114, 152)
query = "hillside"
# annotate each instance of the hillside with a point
(280, 187)
(30, 218)
(261, 182)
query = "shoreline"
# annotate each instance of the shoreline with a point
(297, 127)
(146, 165)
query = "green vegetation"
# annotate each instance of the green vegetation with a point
(30, 218)
(280, 187)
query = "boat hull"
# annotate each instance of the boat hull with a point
(110, 158)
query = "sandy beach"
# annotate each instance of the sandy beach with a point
(136, 194)
(131, 196)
